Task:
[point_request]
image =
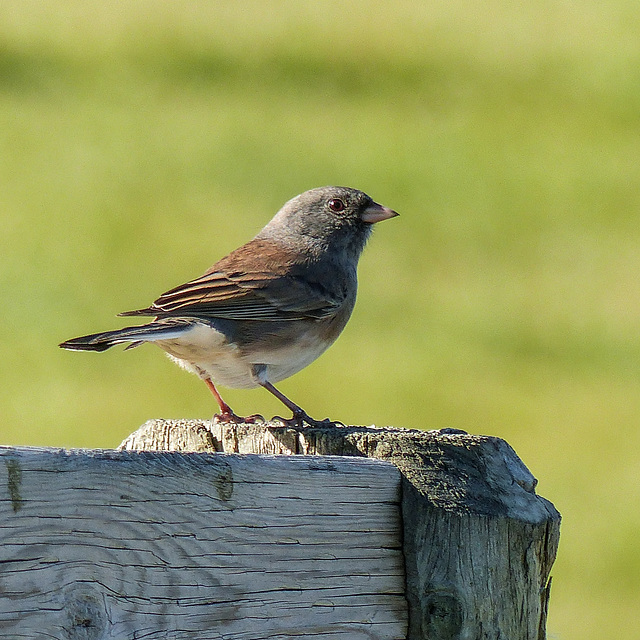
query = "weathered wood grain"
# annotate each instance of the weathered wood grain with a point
(479, 543)
(121, 545)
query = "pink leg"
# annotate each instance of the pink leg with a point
(226, 413)
(299, 415)
(225, 409)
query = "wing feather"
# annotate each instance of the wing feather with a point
(265, 289)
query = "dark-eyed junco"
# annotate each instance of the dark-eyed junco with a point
(269, 308)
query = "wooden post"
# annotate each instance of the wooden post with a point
(478, 541)
(441, 537)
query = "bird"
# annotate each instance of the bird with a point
(267, 309)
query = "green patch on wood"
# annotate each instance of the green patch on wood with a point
(14, 479)
(224, 483)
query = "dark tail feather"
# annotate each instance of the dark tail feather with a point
(107, 339)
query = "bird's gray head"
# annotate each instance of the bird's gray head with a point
(338, 217)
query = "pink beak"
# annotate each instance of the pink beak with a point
(377, 213)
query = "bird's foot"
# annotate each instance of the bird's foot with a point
(301, 420)
(230, 417)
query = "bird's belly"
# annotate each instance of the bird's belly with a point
(208, 353)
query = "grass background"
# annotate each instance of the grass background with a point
(142, 141)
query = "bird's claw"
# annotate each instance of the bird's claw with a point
(302, 420)
(230, 417)
(254, 418)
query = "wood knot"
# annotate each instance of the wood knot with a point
(442, 615)
(85, 613)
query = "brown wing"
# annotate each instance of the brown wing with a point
(255, 282)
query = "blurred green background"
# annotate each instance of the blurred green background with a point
(142, 141)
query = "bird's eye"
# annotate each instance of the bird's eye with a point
(337, 205)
